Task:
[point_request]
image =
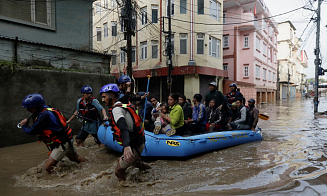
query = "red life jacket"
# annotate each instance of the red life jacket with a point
(88, 110)
(136, 120)
(54, 138)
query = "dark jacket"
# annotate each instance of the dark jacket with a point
(233, 96)
(216, 95)
(254, 113)
(187, 110)
(213, 115)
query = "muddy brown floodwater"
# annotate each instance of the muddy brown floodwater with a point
(291, 160)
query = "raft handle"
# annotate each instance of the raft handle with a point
(203, 141)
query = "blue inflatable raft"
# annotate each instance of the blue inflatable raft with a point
(161, 146)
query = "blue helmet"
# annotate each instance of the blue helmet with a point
(109, 87)
(123, 79)
(86, 89)
(233, 84)
(33, 100)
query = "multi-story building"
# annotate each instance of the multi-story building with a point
(250, 49)
(291, 62)
(197, 43)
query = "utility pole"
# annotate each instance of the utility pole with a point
(127, 17)
(317, 60)
(169, 49)
(288, 82)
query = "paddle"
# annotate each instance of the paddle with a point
(263, 116)
(146, 98)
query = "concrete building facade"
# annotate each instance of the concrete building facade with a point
(291, 62)
(197, 43)
(250, 49)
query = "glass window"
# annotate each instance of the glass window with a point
(226, 41)
(264, 52)
(172, 11)
(246, 71)
(246, 42)
(257, 43)
(172, 44)
(98, 7)
(133, 55)
(98, 33)
(183, 43)
(200, 43)
(264, 73)
(200, 6)
(105, 30)
(224, 18)
(214, 47)
(154, 48)
(269, 75)
(114, 57)
(143, 16)
(122, 57)
(182, 7)
(154, 14)
(113, 28)
(257, 71)
(214, 7)
(144, 50)
(225, 67)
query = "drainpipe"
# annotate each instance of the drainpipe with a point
(235, 54)
(191, 61)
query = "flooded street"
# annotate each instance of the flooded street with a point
(291, 160)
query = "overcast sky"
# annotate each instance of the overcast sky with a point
(300, 19)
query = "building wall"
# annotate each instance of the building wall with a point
(71, 26)
(60, 90)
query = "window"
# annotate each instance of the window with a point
(257, 71)
(172, 44)
(269, 75)
(105, 30)
(98, 7)
(257, 43)
(246, 42)
(143, 16)
(105, 3)
(182, 7)
(154, 48)
(200, 6)
(226, 41)
(200, 43)
(274, 76)
(34, 11)
(122, 56)
(113, 3)
(98, 33)
(114, 57)
(113, 29)
(225, 67)
(264, 49)
(144, 50)
(246, 71)
(154, 14)
(183, 43)
(214, 9)
(214, 47)
(122, 24)
(264, 25)
(291, 34)
(264, 73)
(268, 53)
(172, 11)
(224, 18)
(133, 55)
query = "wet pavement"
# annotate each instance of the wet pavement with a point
(291, 160)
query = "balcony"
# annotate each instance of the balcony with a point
(248, 22)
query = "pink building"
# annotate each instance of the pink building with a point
(250, 48)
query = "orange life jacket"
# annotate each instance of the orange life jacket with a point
(55, 138)
(88, 110)
(136, 120)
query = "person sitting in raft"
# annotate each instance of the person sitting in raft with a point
(127, 130)
(233, 112)
(199, 117)
(253, 113)
(51, 127)
(165, 125)
(176, 116)
(155, 114)
(187, 108)
(148, 123)
(243, 122)
(214, 117)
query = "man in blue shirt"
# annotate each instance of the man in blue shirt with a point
(199, 116)
(88, 107)
(51, 127)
